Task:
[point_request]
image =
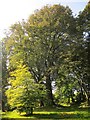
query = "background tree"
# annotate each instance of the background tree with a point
(4, 70)
(83, 28)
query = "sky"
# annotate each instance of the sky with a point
(12, 11)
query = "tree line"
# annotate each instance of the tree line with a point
(46, 60)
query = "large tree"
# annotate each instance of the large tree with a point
(50, 30)
(43, 44)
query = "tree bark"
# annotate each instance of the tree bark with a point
(41, 103)
(49, 91)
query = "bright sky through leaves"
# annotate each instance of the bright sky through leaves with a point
(12, 11)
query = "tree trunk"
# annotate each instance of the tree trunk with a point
(41, 103)
(31, 110)
(49, 91)
(68, 100)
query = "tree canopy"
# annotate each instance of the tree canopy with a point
(47, 53)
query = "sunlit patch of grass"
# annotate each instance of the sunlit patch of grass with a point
(14, 114)
(52, 114)
(65, 113)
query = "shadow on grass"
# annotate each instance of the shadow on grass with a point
(59, 113)
(52, 116)
(65, 109)
(59, 116)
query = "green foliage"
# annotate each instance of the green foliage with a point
(84, 19)
(50, 30)
(83, 67)
(42, 43)
(52, 47)
(23, 93)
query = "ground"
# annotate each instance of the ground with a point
(51, 114)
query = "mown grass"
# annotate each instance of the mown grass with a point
(51, 114)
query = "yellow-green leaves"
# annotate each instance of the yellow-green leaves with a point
(23, 91)
(20, 79)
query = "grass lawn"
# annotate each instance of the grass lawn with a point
(51, 114)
